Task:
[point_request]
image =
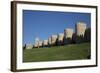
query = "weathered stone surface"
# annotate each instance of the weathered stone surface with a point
(68, 32)
(80, 28)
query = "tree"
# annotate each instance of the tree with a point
(24, 47)
(74, 38)
(67, 41)
(77, 38)
(87, 35)
(80, 39)
(59, 42)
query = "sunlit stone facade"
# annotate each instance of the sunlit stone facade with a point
(45, 42)
(68, 33)
(80, 28)
(40, 43)
(53, 39)
(60, 36)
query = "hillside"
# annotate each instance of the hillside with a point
(67, 52)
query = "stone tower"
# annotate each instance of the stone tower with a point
(80, 28)
(53, 39)
(60, 36)
(49, 40)
(68, 33)
(45, 43)
(40, 43)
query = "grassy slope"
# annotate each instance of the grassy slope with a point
(68, 52)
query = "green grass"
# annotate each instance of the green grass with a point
(67, 52)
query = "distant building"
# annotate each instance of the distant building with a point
(49, 41)
(60, 36)
(67, 37)
(45, 43)
(60, 39)
(80, 28)
(29, 46)
(40, 43)
(68, 33)
(36, 43)
(53, 39)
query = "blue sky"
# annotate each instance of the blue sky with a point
(43, 24)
